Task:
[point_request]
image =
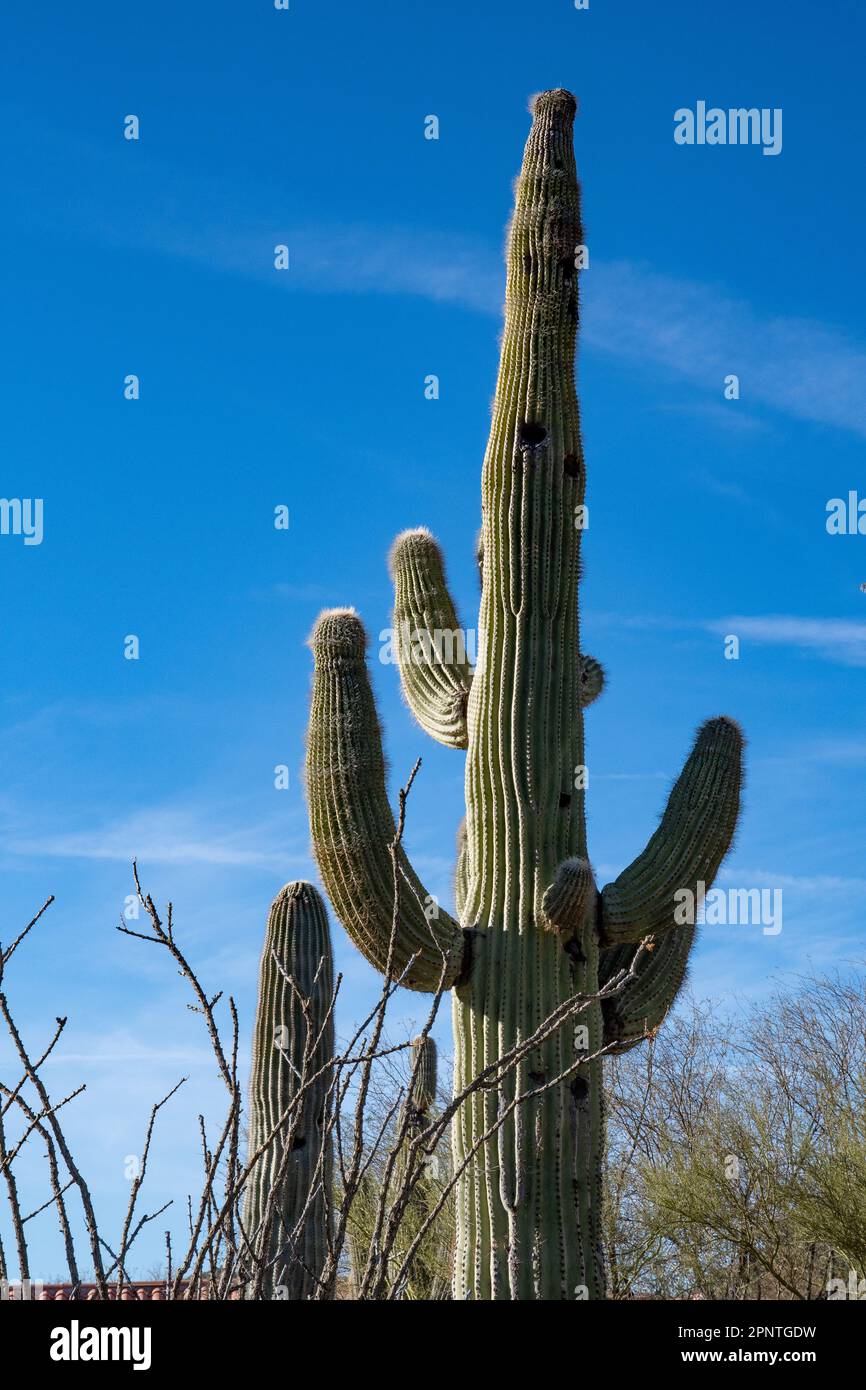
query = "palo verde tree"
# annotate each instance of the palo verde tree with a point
(532, 930)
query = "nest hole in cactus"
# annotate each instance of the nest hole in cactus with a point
(571, 465)
(531, 435)
(580, 1090)
(574, 951)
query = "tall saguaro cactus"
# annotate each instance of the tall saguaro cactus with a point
(285, 1207)
(533, 928)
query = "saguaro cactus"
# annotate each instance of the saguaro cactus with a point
(533, 929)
(293, 1040)
(428, 1273)
(422, 1091)
(427, 1276)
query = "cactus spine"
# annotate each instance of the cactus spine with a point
(533, 928)
(287, 1046)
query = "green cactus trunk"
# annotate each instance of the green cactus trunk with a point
(292, 1239)
(528, 1207)
(533, 929)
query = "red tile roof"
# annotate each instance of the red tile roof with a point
(63, 1293)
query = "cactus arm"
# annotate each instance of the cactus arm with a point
(693, 838)
(570, 899)
(298, 935)
(352, 823)
(430, 645)
(640, 1009)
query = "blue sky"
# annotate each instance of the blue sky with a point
(305, 388)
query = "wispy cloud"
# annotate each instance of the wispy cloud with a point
(803, 368)
(434, 265)
(799, 367)
(804, 883)
(738, 421)
(341, 259)
(162, 836)
(293, 593)
(838, 640)
(631, 776)
(833, 639)
(657, 320)
(743, 496)
(121, 1050)
(836, 751)
(769, 878)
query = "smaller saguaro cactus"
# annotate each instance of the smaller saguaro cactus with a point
(428, 1276)
(422, 1090)
(286, 1207)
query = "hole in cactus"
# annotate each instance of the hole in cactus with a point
(564, 800)
(567, 267)
(527, 263)
(574, 951)
(571, 465)
(537, 1078)
(530, 435)
(580, 1091)
(298, 1142)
